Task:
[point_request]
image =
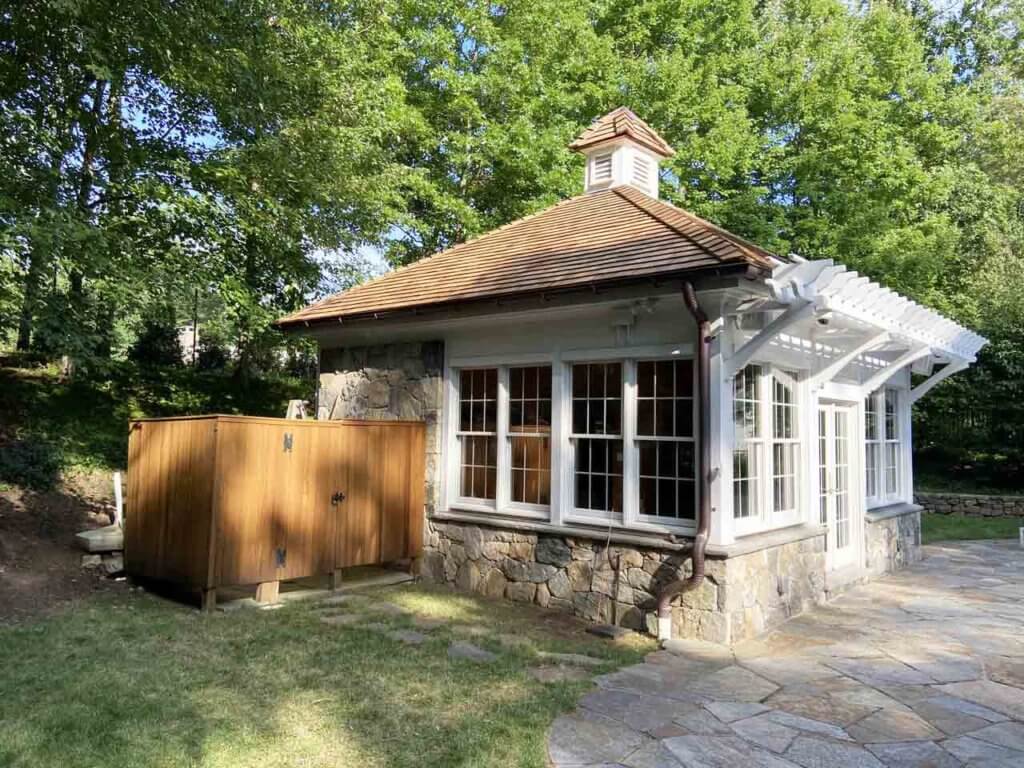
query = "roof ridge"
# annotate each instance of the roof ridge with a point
(751, 250)
(449, 250)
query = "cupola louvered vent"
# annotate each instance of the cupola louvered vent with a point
(601, 169)
(641, 171)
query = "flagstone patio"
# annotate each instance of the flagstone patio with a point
(921, 668)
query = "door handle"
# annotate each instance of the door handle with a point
(337, 498)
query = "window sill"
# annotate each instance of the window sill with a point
(766, 540)
(890, 511)
(518, 522)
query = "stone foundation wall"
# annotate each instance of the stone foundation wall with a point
(975, 505)
(740, 598)
(390, 381)
(757, 591)
(892, 543)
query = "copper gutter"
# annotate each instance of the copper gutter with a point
(682, 586)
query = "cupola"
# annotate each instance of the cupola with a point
(622, 149)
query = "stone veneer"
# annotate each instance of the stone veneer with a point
(740, 598)
(891, 541)
(975, 504)
(389, 381)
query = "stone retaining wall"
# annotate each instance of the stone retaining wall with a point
(390, 381)
(975, 505)
(892, 543)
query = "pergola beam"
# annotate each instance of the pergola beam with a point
(925, 386)
(796, 312)
(828, 373)
(908, 357)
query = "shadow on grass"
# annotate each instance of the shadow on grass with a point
(141, 682)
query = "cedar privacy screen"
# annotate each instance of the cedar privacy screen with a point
(233, 500)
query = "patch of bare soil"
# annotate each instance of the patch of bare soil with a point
(40, 566)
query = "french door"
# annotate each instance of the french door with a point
(836, 497)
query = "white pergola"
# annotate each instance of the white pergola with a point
(815, 291)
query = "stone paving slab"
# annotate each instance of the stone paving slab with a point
(920, 669)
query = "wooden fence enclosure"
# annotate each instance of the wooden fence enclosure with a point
(230, 500)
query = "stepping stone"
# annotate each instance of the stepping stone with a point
(913, 754)
(730, 711)
(996, 696)
(341, 620)
(811, 752)
(639, 712)
(703, 723)
(734, 683)
(427, 623)
(765, 733)
(977, 752)
(808, 725)
(586, 738)
(579, 659)
(1009, 735)
(558, 674)
(470, 652)
(375, 626)
(609, 631)
(893, 725)
(407, 636)
(721, 752)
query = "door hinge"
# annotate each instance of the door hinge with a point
(288, 441)
(280, 556)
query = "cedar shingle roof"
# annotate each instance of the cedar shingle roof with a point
(622, 122)
(601, 237)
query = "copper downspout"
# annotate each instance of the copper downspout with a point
(681, 586)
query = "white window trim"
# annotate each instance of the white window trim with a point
(561, 510)
(766, 518)
(884, 497)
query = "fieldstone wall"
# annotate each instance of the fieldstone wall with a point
(756, 592)
(389, 381)
(892, 543)
(740, 598)
(974, 505)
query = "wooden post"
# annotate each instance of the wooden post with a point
(334, 579)
(266, 591)
(209, 600)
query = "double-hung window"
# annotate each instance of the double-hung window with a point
(785, 443)
(766, 448)
(748, 446)
(664, 437)
(597, 438)
(529, 434)
(478, 433)
(599, 442)
(882, 447)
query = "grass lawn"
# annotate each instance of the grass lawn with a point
(135, 680)
(956, 528)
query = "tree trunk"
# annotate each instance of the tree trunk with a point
(30, 298)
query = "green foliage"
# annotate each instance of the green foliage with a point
(49, 425)
(236, 160)
(157, 344)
